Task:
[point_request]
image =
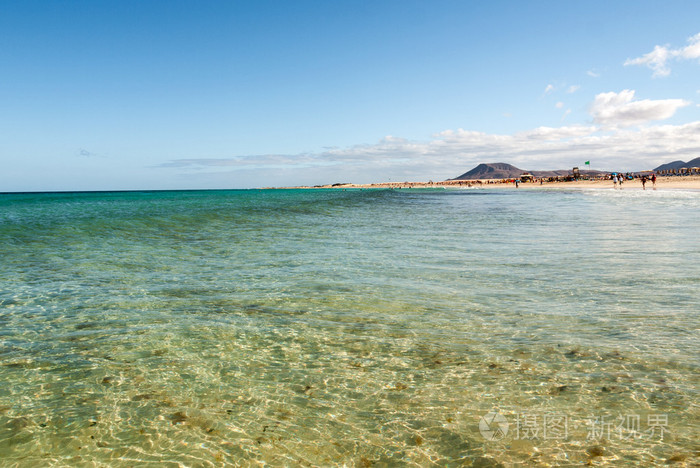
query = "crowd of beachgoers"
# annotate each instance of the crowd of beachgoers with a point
(616, 180)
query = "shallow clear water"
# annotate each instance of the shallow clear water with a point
(357, 328)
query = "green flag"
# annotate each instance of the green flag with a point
(588, 163)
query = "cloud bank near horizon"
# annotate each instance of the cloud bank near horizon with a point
(452, 152)
(619, 138)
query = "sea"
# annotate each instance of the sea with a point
(353, 328)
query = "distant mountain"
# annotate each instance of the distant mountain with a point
(679, 164)
(671, 165)
(508, 171)
(492, 171)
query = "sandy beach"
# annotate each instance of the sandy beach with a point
(691, 182)
(688, 182)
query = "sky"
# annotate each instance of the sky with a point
(138, 95)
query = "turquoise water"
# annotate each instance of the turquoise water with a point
(350, 328)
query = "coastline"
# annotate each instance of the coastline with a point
(691, 182)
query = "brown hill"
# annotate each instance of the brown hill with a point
(492, 171)
(508, 171)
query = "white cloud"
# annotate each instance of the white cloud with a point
(593, 74)
(552, 88)
(559, 105)
(658, 58)
(691, 51)
(453, 152)
(621, 109)
(82, 152)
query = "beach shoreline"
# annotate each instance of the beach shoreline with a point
(691, 182)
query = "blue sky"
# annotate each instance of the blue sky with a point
(110, 95)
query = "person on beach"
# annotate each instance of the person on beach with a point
(653, 181)
(615, 180)
(644, 182)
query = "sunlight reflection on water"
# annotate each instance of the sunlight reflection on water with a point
(349, 328)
